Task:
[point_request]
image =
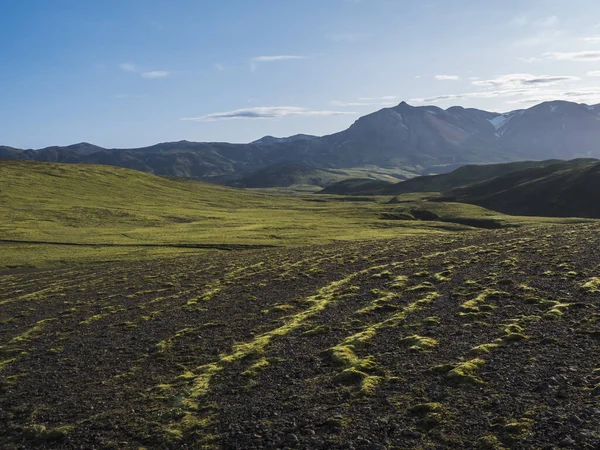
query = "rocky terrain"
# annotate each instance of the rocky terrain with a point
(483, 340)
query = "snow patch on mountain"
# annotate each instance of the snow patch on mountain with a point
(501, 120)
(400, 118)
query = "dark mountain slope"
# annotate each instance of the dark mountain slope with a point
(553, 129)
(419, 140)
(462, 176)
(560, 190)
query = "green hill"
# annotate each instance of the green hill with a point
(463, 176)
(63, 214)
(290, 174)
(294, 174)
(559, 190)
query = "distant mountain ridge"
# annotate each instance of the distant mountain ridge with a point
(420, 140)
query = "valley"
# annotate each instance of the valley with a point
(146, 312)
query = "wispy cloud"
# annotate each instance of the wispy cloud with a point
(527, 94)
(591, 38)
(220, 67)
(470, 95)
(532, 59)
(593, 73)
(254, 62)
(382, 101)
(156, 74)
(266, 112)
(153, 74)
(574, 56)
(515, 80)
(447, 77)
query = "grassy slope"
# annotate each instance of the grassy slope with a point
(300, 176)
(560, 190)
(106, 205)
(462, 176)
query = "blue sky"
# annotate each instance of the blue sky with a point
(130, 73)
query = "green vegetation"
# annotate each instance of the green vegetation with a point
(56, 214)
(425, 339)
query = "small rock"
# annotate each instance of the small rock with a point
(290, 439)
(586, 434)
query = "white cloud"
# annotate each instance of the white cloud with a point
(128, 67)
(593, 73)
(471, 95)
(525, 95)
(266, 112)
(254, 62)
(365, 102)
(447, 77)
(515, 80)
(584, 95)
(531, 59)
(591, 38)
(574, 56)
(220, 67)
(155, 74)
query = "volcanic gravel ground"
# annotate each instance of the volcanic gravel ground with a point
(486, 340)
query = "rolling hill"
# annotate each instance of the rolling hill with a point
(559, 190)
(417, 140)
(462, 176)
(295, 174)
(59, 214)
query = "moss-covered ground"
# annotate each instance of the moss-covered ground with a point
(59, 215)
(414, 338)
(347, 344)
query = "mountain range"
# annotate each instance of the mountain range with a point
(411, 140)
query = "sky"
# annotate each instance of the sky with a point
(130, 73)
